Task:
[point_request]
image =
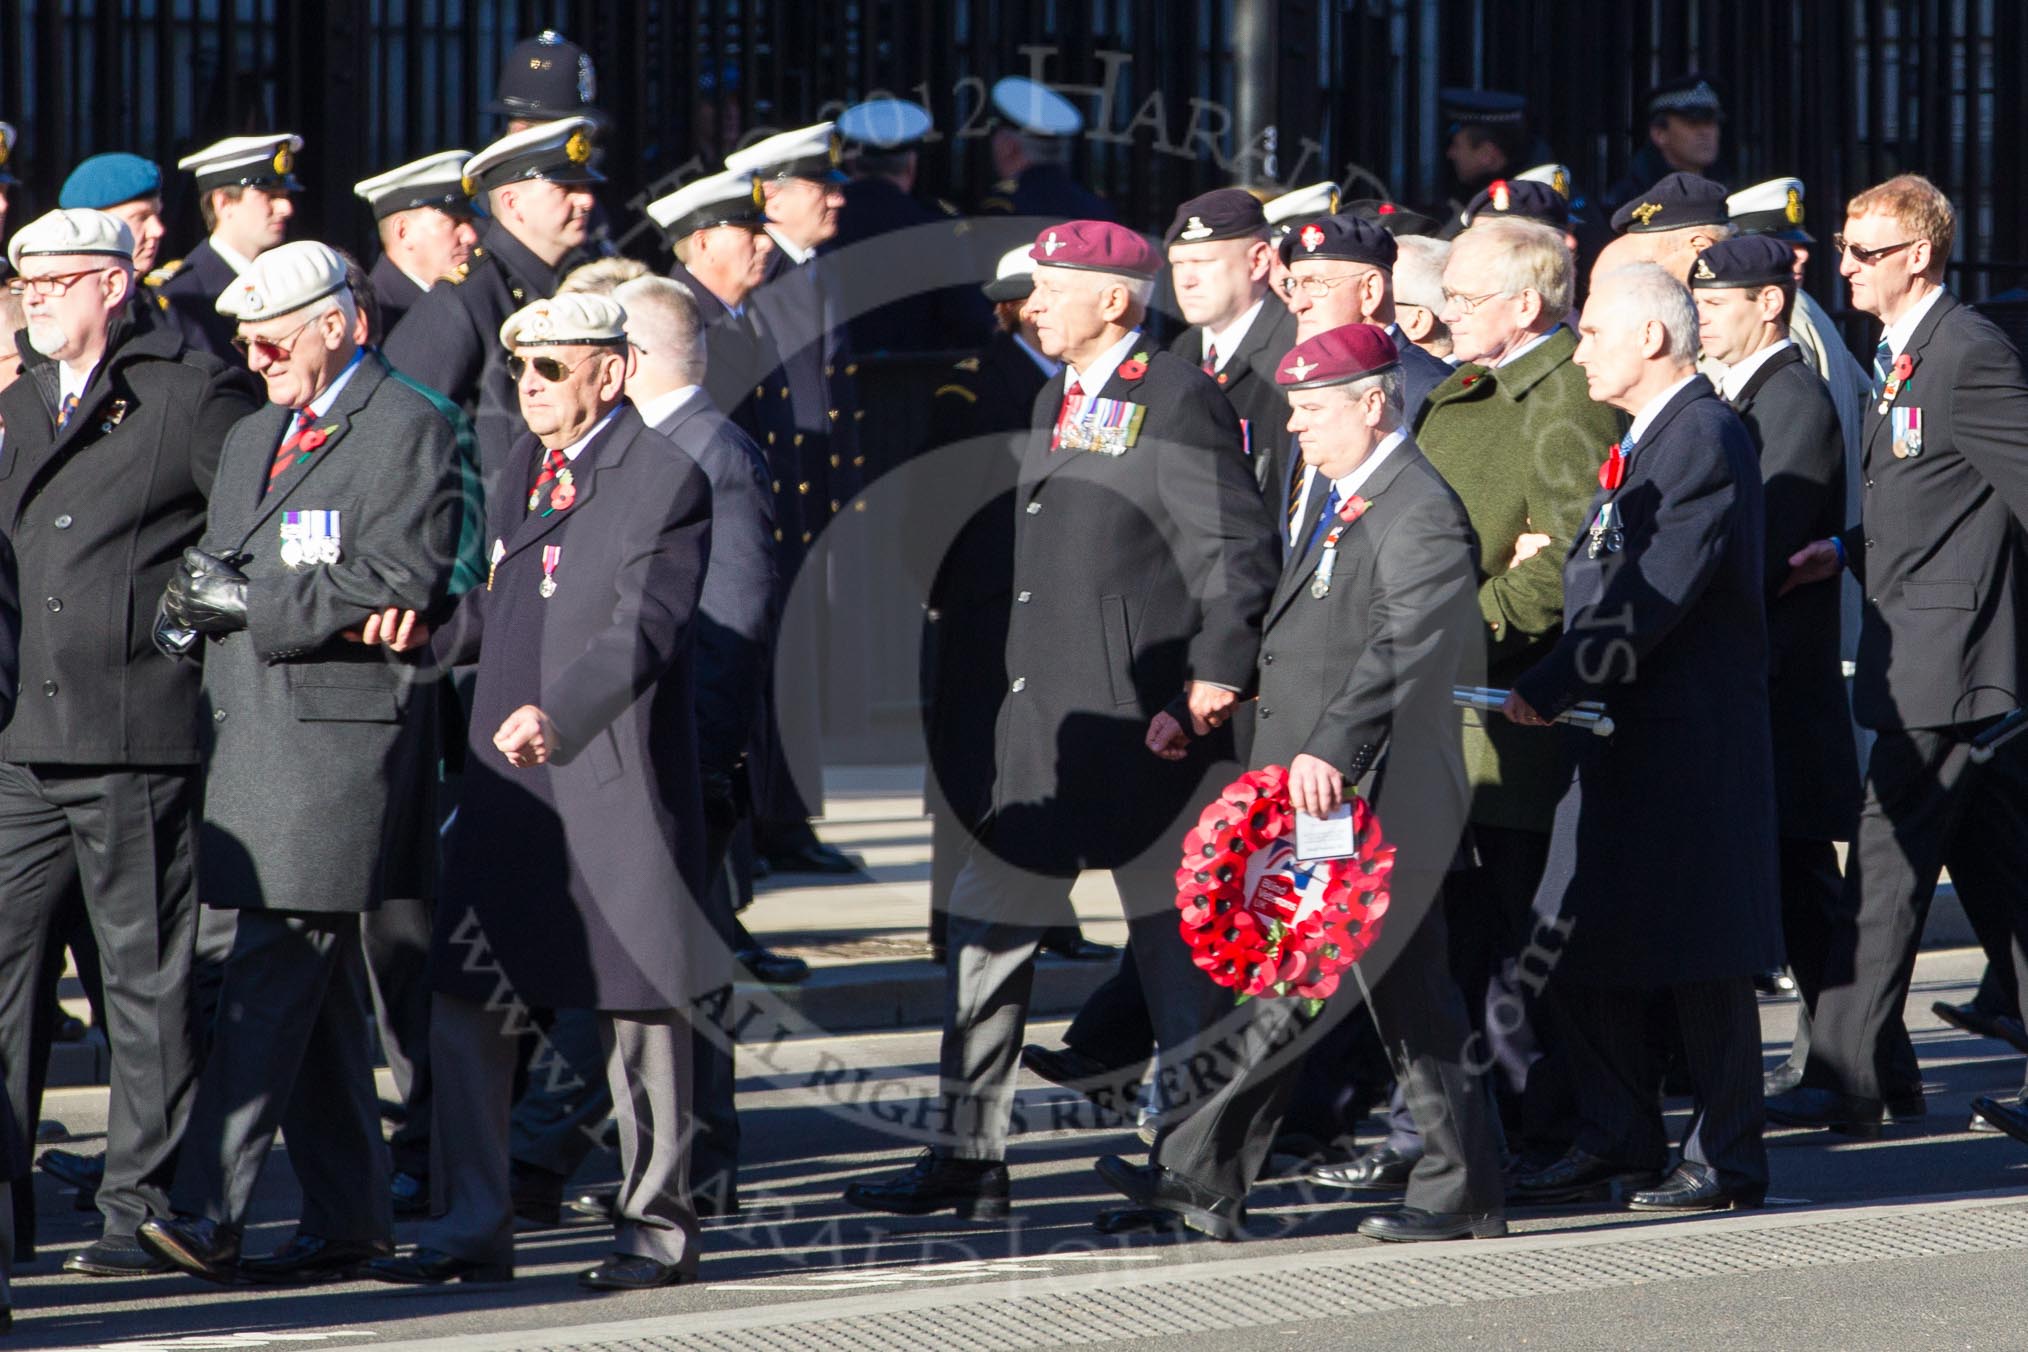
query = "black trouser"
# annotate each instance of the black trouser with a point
(123, 835)
(1927, 808)
(397, 940)
(1811, 890)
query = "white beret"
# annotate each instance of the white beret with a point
(573, 318)
(285, 278)
(79, 230)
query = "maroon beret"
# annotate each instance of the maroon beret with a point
(1095, 246)
(1336, 356)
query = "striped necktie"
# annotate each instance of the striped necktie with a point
(552, 465)
(64, 410)
(1072, 391)
(1211, 359)
(1883, 364)
(286, 455)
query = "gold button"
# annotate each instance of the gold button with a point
(834, 415)
(771, 438)
(778, 532)
(778, 485)
(851, 368)
(827, 370)
(785, 391)
(836, 461)
(806, 537)
(857, 414)
(799, 438)
(834, 504)
(803, 487)
(858, 459)
(760, 391)
(859, 504)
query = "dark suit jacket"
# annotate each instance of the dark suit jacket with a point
(1662, 856)
(319, 746)
(576, 880)
(395, 292)
(908, 279)
(192, 296)
(1248, 382)
(1939, 550)
(450, 338)
(1794, 425)
(1133, 574)
(736, 611)
(1361, 677)
(99, 515)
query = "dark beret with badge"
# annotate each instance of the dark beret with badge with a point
(1396, 219)
(544, 78)
(1095, 246)
(1531, 201)
(1747, 261)
(555, 152)
(1337, 357)
(1222, 213)
(1344, 238)
(1679, 200)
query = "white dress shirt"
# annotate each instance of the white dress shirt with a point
(1736, 375)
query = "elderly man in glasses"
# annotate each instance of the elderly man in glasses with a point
(577, 859)
(1940, 556)
(111, 442)
(338, 499)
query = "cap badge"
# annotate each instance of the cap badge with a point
(1384, 209)
(1052, 244)
(1312, 237)
(1647, 211)
(834, 148)
(1560, 180)
(1793, 208)
(756, 193)
(471, 188)
(1301, 369)
(4, 150)
(284, 161)
(578, 148)
(1501, 196)
(1704, 272)
(1196, 229)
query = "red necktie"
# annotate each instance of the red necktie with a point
(1070, 392)
(552, 465)
(286, 455)
(1211, 359)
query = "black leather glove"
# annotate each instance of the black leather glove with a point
(207, 594)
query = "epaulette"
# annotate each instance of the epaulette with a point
(961, 391)
(163, 273)
(968, 364)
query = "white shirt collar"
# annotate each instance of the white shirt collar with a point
(1654, 407)
(234, 259)
(1300, 524)
(69, 383)
(1525, 348)
(662, 407)
(321, 405)
(1049, 366)
(1736, 375)
(1094, 380)
(1356, 480)
(576, 448)
(421, 285)
(1901, 330)
(1228, 339)
(797, 253)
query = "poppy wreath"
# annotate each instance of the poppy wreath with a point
(1256, 920)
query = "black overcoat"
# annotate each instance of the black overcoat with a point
(1248, 382)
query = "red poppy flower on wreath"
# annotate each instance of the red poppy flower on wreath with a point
(1262, 923)
(1134, 367)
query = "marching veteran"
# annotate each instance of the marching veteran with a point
(337, 499)
(576, 862)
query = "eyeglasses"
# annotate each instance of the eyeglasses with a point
(1317, 287)
(1466, 304)
(549, 368)
(57, 285)
(1865, 257)
(271, 350)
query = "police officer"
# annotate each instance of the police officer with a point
(1031, 155)
(129, 188)
(538, 191)
(243, 187)
(546, 78)
(1682, 125)
(427, 230)
(1486, 137)
(336, 500)
(112, 441)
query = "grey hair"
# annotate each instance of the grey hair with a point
(1653, 294)
(601, 276)
(663, 321)
(1527, 256)
(1388, 382)
(1419, 271)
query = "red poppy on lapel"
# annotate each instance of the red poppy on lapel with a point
(1134, 367)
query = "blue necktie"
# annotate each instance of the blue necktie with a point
(1324, 521)
(1883, 364)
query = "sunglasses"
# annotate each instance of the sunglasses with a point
(1867, 257)
(549, 368)
(270, 350)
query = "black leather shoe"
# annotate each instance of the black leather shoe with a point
(1690, 1187)
(973, 1189)
(810, 856)
(1381, 1169)
(1578, 1176)
(307, 1258)
(1841, 1113)
(433, 1267)
(1151, 1187)
(411, 1194)
(1066, 1066)
(1908, 1107)
(114, 1256)
(83, 1172)
(2011, 1118)
(1978, 1023)
(1081, 949)
(200, 1247)
(1413, 1225)
(537, 1194)
(773, 969)
(630, 1272)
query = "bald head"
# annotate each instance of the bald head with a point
(1675, 251)
(1622, 251)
